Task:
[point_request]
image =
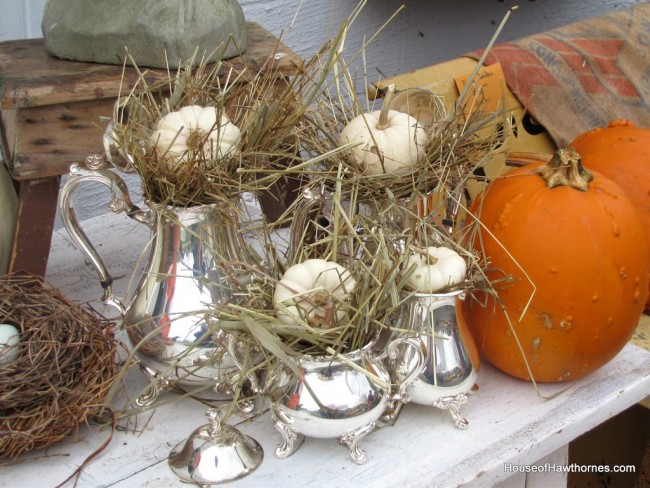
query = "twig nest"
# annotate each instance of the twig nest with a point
(64, 367)
(313, 291)
(197, 130)
(390, 142)
(434, 268)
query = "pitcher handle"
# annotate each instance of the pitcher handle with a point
(311, 203)
(400, 397)
(121, 202)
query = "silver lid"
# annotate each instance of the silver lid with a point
(215, 453)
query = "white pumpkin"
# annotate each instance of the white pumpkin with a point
(196, 128)
(434, 268)
(313, 291)
(390, 142)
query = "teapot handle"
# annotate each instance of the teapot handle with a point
(94, 171)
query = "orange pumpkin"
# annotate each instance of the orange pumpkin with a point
(621, 152)
(578, 255)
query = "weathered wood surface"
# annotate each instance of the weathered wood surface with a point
(54, 111)
(509, 422)
(47, 139)
(30, 77)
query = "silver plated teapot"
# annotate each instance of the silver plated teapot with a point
(341, 396)
(330, 399)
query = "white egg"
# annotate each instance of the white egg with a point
(9, 337)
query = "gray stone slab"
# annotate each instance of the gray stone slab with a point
(157, 33)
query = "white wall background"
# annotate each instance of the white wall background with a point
(424, 33)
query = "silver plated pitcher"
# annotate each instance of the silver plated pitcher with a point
(448, 374)
(188, 269)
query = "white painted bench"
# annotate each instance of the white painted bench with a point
(510, 425)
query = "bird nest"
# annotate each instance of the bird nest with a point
(64, 368)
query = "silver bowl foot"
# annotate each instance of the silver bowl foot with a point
(353, 440)
(158, 384)
(452, 404)
(291, 439)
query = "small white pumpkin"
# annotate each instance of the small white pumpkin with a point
(314, 291)
(195, 128)
(434, 268)
(390, 142)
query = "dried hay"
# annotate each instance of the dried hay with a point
(253, 98)
(368, 223)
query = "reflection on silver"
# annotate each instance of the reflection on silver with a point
(313, 221)
(192, 264)
(215, 453)
(422, 104)
(330, 398)
(310, 219)
(447, 375)
(395, 349)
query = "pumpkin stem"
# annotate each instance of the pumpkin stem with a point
(382, 123)
(196, 139)
(565, 169)
(325, 310)
(431, 260)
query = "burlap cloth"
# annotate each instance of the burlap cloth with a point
(583, 75)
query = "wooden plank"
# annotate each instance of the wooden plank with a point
(34, 225)
(543, 479)
(30, 77)
(422, 449)
(641, 338)
(47, 139)
(550, 476)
